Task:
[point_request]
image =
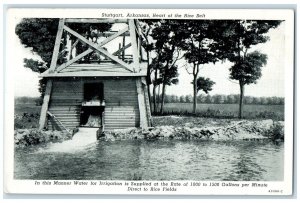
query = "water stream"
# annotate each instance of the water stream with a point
(83, 138)
(85, 158)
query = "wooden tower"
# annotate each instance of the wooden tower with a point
(112, 87)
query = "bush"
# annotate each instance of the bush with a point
(275, 132)
(27, 137)
(270, 115)
(26, 120)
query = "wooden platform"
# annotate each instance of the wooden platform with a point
(97, 70)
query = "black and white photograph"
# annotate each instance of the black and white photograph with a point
(134, 98)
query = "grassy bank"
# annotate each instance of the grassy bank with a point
(27, 115)
(20, 109)
(211, 126)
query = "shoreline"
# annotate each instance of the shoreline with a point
(211, 129)
(233, 130)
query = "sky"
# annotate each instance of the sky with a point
(270, 84)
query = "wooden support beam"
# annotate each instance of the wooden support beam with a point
(113, 36)
(122, 50)
(57, 45)
(141, 101)
(54, 117)
(43, 116)
(73, 45)
(120, 46)
(76, 58)
(139, 49)
(110, 33)
(116, 59)
(98, 48)
(143, 37)
(123, 53)
(89, 50)
(71, 49)
(147, 101)
(95, 20)
(134, 44)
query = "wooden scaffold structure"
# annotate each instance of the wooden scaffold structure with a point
(111, 88)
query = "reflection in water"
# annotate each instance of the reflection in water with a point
(155, 160)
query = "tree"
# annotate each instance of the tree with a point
(209, 99)
(188, 98)
(231, 99)
(169, 74)
(174, 98)
(39, 34)
(240, 36)
(147, 26)
(182, 99)
(281, 101)
(264, 100)
(155, 66)
(218, 99)
(275, 100)
(204, 84)
(248, 100)
(165, 49)
(167, 98)
(201, 98)
(256, 100)
(247, 71)
(202, 44)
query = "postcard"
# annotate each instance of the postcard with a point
(149, 101)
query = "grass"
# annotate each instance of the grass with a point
(20, 109)
(275, 112)
(181, 121)
(27, 115)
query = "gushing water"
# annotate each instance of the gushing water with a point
(80, 141)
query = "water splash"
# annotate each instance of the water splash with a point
(80, 141)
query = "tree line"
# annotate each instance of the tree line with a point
(201, 99)
(27, 100)
(222, 99)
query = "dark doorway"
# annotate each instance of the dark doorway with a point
(93, 91)
(91, 109)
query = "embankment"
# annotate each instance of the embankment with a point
(229, 130)
(234, 130)
(27, 137)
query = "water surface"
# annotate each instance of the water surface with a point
(152, 160)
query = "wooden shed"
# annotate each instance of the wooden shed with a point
(110, 92)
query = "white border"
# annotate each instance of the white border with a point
(18, 186)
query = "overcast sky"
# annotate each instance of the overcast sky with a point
(270, 84)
